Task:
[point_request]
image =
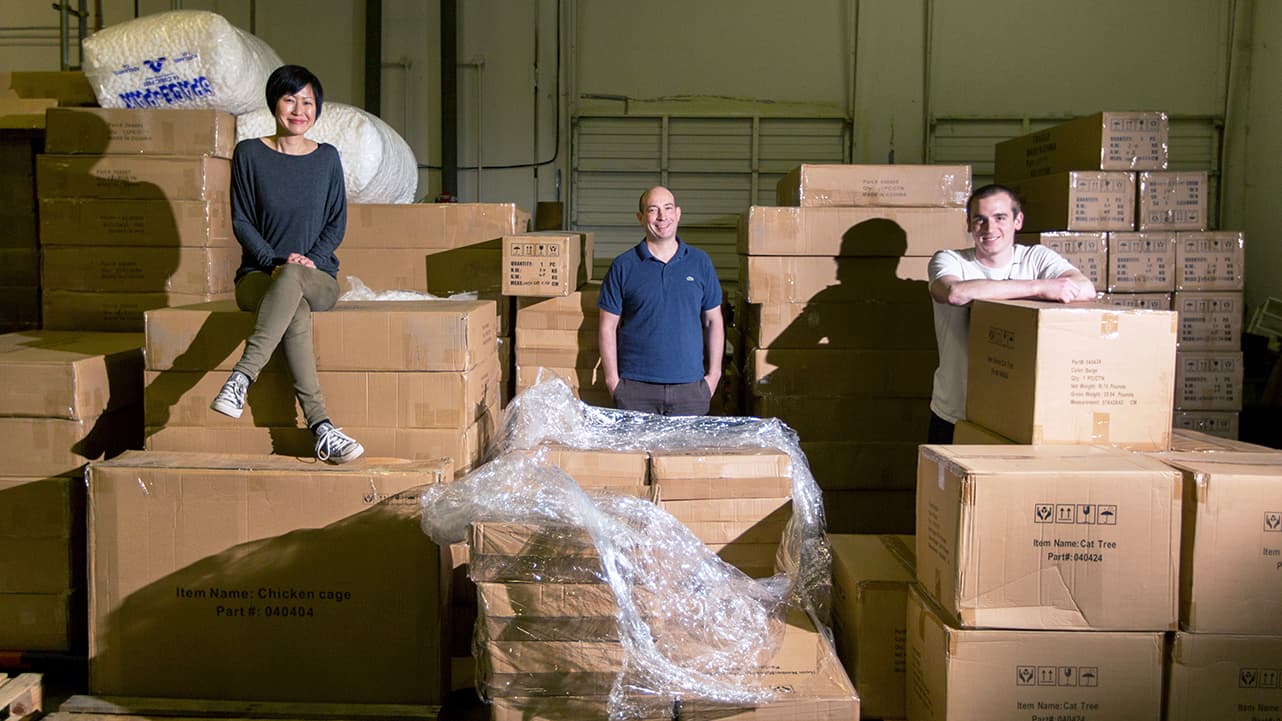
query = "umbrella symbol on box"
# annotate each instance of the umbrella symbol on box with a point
(1107, 515)
(1088, 676)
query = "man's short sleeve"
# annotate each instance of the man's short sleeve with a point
(610, 299)
(711, 285)
(1047, 263)
(945, 262)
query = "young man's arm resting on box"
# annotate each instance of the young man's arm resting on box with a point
(1069, 287)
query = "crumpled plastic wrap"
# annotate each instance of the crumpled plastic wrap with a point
(378, 165)
(357, 290)
(689, 627)
(179, 59)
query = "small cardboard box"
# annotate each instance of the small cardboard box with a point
(1173, 200)
(544, 264)
(1103, 141)
(1217, 423)
(1138, 301)
(1214, 676)
(839, 372)
(1141, 262)
(576, 311)
(1231, 554)
(134, 177)
(192, 271)
(1210, 321)
(1208, 380)
(56, 446)
(553, 611)
(74, 375)
(851, 232)
(1210, 261)
(111, 312)
(427, 226)
(945, 186)
(1050, 373)
(690, 474)
(1088, 252)
(1084, 537)
(732, 520)
(1186, 440)
(102, 131)
(870, 580)
(784, 279)
(144, 223)
(315, 552)
(598, 468)
(1091, 200)
(474, 268)
(1000, 675)
(67, 87)
(870, 323)
(571, 340)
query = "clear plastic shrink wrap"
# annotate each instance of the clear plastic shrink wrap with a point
(687, 627)
(179, 59)
(378, 165)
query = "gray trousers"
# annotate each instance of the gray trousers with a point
(665, 399)
(284, 303)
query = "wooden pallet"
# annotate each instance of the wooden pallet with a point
(121, 708)
(21, 696)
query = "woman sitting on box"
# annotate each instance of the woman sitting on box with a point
(289, 212)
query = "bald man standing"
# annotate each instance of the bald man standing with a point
(661, 332)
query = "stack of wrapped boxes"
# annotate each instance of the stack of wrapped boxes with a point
(1097, 190)
(134, 214)
(838, 322)
(66, 398)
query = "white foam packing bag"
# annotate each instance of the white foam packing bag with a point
(179, 59)
(378, 165)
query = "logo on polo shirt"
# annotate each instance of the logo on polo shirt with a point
(690, 278)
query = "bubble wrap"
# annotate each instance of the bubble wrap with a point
(378, 165)
(179, 59)
(360, 291)
(714, 621)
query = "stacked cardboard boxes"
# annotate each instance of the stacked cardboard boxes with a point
(66, 398)
(1209, 298)
(408, 379)
(838, 325)
(558, 335)
(134, 214)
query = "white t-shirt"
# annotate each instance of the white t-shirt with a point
(952, 322)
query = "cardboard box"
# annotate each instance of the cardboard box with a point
(1186, 440)
(475, 268)
(1218, 423)
(19, 266)
(579, 379)
(585, 338)
(1139, 301)
(864, 465)
(19, 307)
(1000, 675)
(863, 511)
(433, 335)
(732, 520)
(101, 131)
(427, 226)
(548, 263)
(143, 223)
(576, 311)
(553, 611)
(838, 372)
(36, 565)
(316, 552)
(1083, 537)
(578, 358)
(69, 374)
(1141, 262)
(1090, 200)
(134, 177)
(1088, 252)
(871, 323)
(842, 418)
(597, 468)
(512, 551)
(946, 186)
(1208, 380)
(56, 446)
(1050, 373)
(776, 279)
(1231, 553)
(1173, 200)
(966, 433)
(870, 581)
(24, 114)
(112, 312)
(1103, 141)
(1209, 321)
(1217, 676)
(1210, 261)
(67, 87)
(851, 232)
(193, 271)
(42, 621)
(721, 473)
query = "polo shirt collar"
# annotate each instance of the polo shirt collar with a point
(643, 250)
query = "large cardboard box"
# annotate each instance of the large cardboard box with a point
(1210, 261)
(145, 223)
(112, 312)
(1103, 141)
(849, 232)
(945, 186)
(69, 374)
(474, 268)
(1209, 321)
(687, 474)
(870, 323)
(794, 279)
(1138, 301)
(1231, 554)
(1141, 262)
(870, 580)
(134, 177)
(839, 372)
(1185, 440)
(549, 263)
(1064, 537)
(1050, 373)
(194, 271)
(170, 131)
(1173, 200)
(57, 446)
(999, 675)
(1091, 200)
(1208, 380)
(427, 226)
(1234, 678)
(1088, 252)
(315, 553)
(1217, 423)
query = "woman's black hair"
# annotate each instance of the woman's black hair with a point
(289, 79)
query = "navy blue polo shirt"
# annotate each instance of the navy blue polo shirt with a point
(660, 308)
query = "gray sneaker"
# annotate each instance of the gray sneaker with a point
(335, 446)
(230, 400)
